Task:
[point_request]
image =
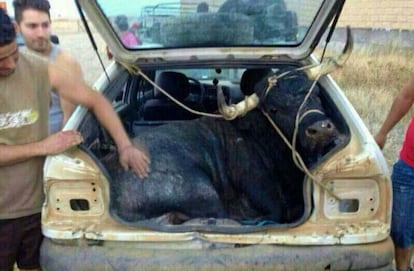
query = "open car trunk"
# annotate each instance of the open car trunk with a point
(201, 179)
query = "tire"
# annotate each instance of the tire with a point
(204, 29)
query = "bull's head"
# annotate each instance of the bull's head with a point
(250, 102)
(298, 113)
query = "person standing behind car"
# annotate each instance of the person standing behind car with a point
(402, 226)
(135, 30)
(127, 37)
(202, 7)
(34, 24)
(26, 80)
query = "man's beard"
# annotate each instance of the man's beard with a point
(40, 46)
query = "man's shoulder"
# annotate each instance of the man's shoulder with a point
(65, 56)
(67, 61)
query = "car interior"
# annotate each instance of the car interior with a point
(142, 106)
(160, 107)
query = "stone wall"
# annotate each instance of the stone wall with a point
(378, 14)
(373, 21)
(379, 22)
(375, 14)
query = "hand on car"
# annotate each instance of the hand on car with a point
(135, 159)
(61, 141)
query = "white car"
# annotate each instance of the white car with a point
(258, 160)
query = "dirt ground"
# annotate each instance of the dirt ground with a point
(79, 45)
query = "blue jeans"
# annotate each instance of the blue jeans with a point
(402, 224)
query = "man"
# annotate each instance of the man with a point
(34, 24)
(402, 226)
(25, 83)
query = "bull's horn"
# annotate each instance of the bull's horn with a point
(332, 63)
(230, 112)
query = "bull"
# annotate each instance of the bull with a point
(238, 167)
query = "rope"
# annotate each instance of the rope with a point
(297, 159)
(271, 83)
(296, 129)
(136, 71)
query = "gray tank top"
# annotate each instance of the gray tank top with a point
(55, 110)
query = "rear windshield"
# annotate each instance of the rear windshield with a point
(152, 24)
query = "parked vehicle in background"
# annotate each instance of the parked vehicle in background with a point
(259, 161)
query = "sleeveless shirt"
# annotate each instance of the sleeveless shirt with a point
(24, 105)
(407, 149)
(55, 110)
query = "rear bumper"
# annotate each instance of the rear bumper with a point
(376, 256)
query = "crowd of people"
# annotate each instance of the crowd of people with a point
(50, 101)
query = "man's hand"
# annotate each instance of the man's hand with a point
(380, 139)
(60, 141)
(131, 157)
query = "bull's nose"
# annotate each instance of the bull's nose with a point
(321, 128)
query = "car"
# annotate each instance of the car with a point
(258, 159)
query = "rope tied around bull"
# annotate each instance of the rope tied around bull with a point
(297, 159)
(137, 71)
(272, 81)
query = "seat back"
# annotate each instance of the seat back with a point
(174, 83)
(251, 77)
(161, 107)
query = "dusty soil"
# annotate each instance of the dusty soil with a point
(79, 45)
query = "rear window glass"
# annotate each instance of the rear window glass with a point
(171, 24)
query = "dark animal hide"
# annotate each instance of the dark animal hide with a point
(237, 169)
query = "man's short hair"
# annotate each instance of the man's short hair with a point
(21, 5)
(7, 31)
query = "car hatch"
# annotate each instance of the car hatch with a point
(230, 30)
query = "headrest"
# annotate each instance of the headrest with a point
(250, 77)
(174, 83)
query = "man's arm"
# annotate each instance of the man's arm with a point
(76, 91)
(67, 109)
(400, 106)
(74, 66)
(53, 144)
